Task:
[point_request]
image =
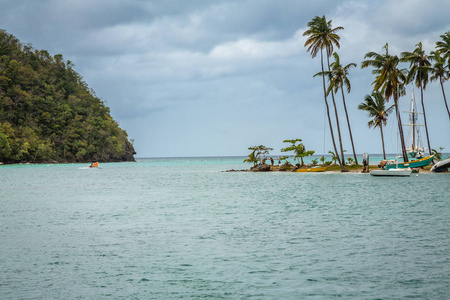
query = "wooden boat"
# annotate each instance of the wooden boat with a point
(441, 166)
(312, 169)
(392, 172)
(417, 163)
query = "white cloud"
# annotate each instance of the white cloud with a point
(252, 49)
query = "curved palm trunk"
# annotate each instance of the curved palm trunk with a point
(382, 140)
(328, 109)
(425, 118)
(349, 128)
(445, 99)
(400, 129)
(343, 169)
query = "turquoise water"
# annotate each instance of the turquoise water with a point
(183, 229)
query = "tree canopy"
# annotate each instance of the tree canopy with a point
(49, 114)
(299, 149)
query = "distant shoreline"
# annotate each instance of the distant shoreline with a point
(332, 169)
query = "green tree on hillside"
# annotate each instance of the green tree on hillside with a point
(48, 113)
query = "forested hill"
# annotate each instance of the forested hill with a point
(48, 113)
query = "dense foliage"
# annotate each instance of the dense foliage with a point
(48, 113)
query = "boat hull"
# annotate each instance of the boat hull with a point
(417, 163)
(315, 169)
(392, 172)
(441, 166)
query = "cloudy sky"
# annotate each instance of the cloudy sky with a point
(211, 78)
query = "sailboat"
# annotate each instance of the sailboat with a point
(414, 139)
(416, 150)
(404, 172)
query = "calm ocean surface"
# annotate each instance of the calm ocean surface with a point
(183, 229)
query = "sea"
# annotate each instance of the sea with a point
(184, 228)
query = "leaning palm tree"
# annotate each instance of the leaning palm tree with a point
(390, 81)
(322, 36)
(440, 72)
(375, 105)
(420, 68)
(338, 80)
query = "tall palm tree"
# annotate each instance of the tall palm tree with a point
(338, 126)
(440, 72)
(444, 46)
(375, 105)
(338, 80)
(322, 36)
(390, 81)
(420, 68)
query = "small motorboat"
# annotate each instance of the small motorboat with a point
(392, 172)
(442, 165)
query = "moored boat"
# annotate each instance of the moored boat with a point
(312, 169)
(392, 172)
(417, 163)
(416, 148)
(442, 165)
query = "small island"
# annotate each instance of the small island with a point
(264, 162)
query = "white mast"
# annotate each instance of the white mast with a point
(413, 116)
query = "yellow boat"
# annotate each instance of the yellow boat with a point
(313, 169)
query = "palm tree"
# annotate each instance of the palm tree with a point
(322, 36)
(338, 80)
(439, 72)
(299, 149)
(443, 46)
(390, 81)
(333, 156)
(252, 158)
(375, 105)
(420, 67)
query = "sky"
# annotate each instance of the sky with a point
(212, 78)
